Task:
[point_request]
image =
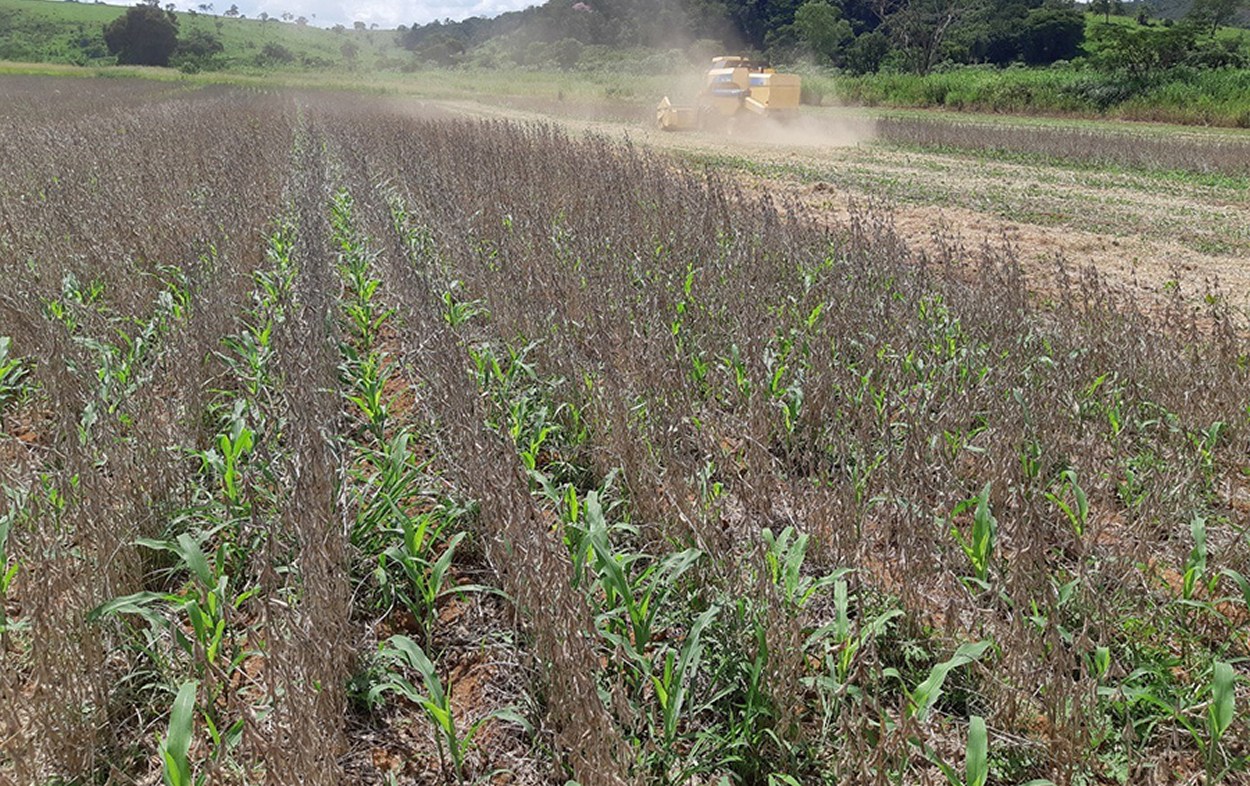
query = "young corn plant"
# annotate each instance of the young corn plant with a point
(365, 365)
(13, 374)
(752, 736)
(369, 374)
(924, 697)
(1205, 442)
(751, 743)
(384, 488)
(922, 700)
(639, 601)
(275, 283)
(426, 580)
(976, 757)
(417, 240)
(9, 565)
(124, 365)
(198, 618)
(249, 354)
(629, 606)
(434, 698)
(458, 311)
(838, 645)
(1218, 713)
(1071, 499)
(1221, 711)
(75, 301)
(1195, 566)
(673, 680)
(784, 556)
(978, 546)
(199, 627)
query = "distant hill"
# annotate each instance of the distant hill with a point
(47, 31)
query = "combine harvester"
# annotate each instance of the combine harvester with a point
(734, 93)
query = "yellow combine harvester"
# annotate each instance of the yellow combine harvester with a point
(733, 90)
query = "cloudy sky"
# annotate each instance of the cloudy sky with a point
(325, 13)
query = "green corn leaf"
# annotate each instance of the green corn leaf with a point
(1223, 697)
(177, 742)
(140, 603)
(1242, 583)
(410, 651)
(976, 768)
(687, 667)
(1197, 562)
(927, 693)
(194, 557)
(439, 571)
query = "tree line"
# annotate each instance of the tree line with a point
(859, 36)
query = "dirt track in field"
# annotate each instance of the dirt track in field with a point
(1142, 229)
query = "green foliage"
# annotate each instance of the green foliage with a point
(673, 459)
(1142, 52)
(454, 741)
(1182, 95)
(198, 49)
(13, 373)
(924, 697)
(823, 29)
(1050, 34)
(1214, 14)
(978, 545)
(274, 54)
(177, 743)
(14, 500)
(144, 35)
(1072, 500)
(976, 768)
(867, 52)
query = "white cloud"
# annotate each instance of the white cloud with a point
(325, 13)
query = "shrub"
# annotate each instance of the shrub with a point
(144, 35)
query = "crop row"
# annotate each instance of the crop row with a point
(346, 445)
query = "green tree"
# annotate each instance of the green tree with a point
(1214, 14)
(822, 28)
(919, 28)
(866, 52)
(274, 54)
(199, 44)
(144, 35)
(1142, 52)
(1051, 34)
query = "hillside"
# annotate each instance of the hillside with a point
(45, 31)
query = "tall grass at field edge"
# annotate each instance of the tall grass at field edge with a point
(1219, 97)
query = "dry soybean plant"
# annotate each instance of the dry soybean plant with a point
(347, 445)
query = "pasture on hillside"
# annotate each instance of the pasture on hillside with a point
(353, 440)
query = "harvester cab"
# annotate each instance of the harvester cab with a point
(733, 90)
